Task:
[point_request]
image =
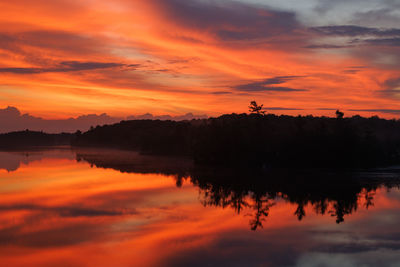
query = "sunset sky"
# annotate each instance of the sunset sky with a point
(67, 58)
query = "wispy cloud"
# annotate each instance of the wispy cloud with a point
(384, 42)
(67, 211)
(389, 111)
(327, 46)
(282, 108)
(66, 66)
(269, 85)
(353, 31)
(359, 36)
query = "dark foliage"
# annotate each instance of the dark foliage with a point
(335, 193)
(133, 162)
(147, 136)
(260, 140)
(339, 114)
(25, 139)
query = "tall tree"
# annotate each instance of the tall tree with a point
(339, 114)
(256, 109)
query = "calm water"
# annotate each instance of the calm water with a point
(110, 208)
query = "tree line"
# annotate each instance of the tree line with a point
(258, 139)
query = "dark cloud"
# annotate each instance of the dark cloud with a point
(389, 111)
(9, 112)
(238, 248)
(221, 93)
(187, 116)
(76, 65)
(393, 236)
(11, 119)
(391, 87)
(350, 248)
(353, 31)
(353, 69)
(65, 211)
(280, 79)
(392, 83)
(327, 46)
(259, 88)
(281, 108)
(269, 85)
(66, 66)
(357, 37)
(358, 67)
(21, 70)
(230, 20)
(384, 42)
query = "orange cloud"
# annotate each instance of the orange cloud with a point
(68, 58)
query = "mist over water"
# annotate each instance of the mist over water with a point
(95, 207)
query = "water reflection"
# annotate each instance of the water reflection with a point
(336, 194)
(78, 211)
(12, 160)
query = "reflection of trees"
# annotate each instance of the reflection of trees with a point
(261, 206)
(369, 197)
(133, 162)
(327, 193)
(334, 194)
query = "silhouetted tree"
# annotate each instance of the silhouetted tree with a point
(369, 199)
(256, 109)
(262, 206)
(300, 212)
(339, 114)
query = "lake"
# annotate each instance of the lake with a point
(62, 207)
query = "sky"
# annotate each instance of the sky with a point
(68, 58)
